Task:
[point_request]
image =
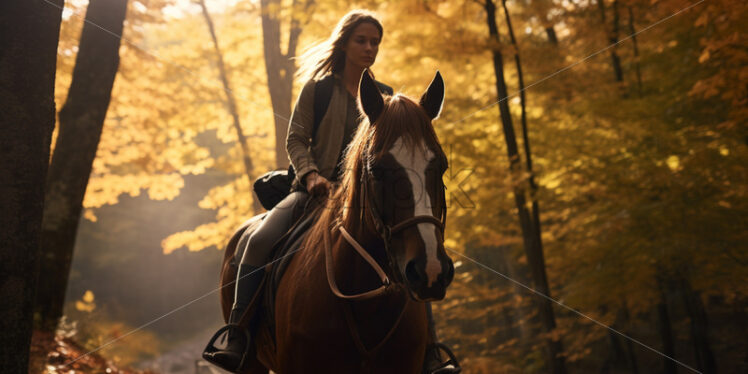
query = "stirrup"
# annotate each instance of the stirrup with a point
(210, 348)
(451, 366)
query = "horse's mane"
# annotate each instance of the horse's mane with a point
(401, 117)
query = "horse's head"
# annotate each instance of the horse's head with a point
(403, 190)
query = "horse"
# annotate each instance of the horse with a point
(352, 299)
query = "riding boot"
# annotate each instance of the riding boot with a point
(433, 362)
(231, 357)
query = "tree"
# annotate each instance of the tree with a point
(635, 47)
(29, 31)
(542, 10)
(231, 106)
(81, 120)
(280, 66)
(612, 37)
(530, 227)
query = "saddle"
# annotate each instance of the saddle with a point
(283, 252)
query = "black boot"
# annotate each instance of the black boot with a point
(232, 357)
(432, 362)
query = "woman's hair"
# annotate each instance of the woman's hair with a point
(328, 56)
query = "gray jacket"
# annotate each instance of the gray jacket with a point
(320, 154)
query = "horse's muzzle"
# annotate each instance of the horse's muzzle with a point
(418, 283)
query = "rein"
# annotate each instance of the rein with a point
(386, 283)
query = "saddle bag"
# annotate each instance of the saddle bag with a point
(274, 186)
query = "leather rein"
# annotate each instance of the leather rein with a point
(386, 283)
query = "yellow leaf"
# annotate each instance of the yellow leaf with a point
(88, 296)
(673, 162)
(701, 20)
(90, 215)
(83, 307)
(704, 56)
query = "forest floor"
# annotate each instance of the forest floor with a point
(50, 354)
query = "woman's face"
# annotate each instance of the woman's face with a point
(361, 49)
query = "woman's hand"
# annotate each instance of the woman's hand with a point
(316, 184)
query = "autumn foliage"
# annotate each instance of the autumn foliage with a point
(641, 181)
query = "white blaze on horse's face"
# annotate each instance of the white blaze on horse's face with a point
(415, 163)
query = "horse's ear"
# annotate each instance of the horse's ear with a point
(433, 99)
(369, 96)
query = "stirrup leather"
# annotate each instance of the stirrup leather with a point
(210, 348)
(451, 361)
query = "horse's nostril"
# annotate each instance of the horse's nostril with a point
(450, 272)
(411, 273)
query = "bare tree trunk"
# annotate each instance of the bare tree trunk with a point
(530, 231)
(525, 139)
(550, 32)
(81, 121)
(665, 329)
(622, 355)
(280, 70)
(635, 45)
(633, 364)
(541, 9)
(705, 361)
(29, 32)
(232, 108)
(612, 37)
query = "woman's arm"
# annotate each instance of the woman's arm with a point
(299, 137)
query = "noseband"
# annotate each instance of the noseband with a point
(385, 232)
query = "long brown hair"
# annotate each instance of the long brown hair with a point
(328, 56)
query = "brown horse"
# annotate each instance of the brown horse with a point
(352, 298)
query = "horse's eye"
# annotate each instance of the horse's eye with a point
(377, 172)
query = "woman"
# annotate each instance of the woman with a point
(315, 151)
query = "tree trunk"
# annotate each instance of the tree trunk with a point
(635, 45)
(550, 32)
(666, 332)
(29, 32)
(81, 121)
(530, 231)
(526, 323)
(631, 355)
(621, 355)
(232, 108)
(525, 140)
(612, 37)
(705, 361)
(280, 70)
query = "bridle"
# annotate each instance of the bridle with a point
(385, 232)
